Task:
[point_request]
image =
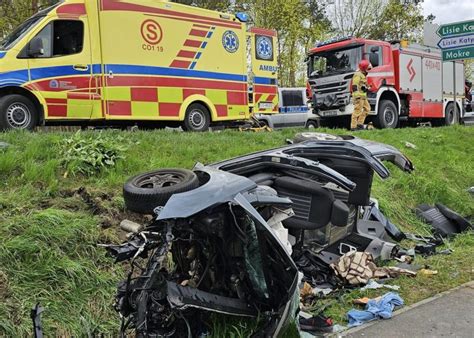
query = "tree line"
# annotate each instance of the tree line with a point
(299, 23)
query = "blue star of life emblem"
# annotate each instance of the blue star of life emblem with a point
(230, 41)
(264, 48)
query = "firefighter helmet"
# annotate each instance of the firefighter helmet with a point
(364, 65)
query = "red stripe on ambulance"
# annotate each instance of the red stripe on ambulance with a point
(196, 32)
(56, 101)
(180, 64)
(75, 10)
(192, 43)
(186, 54)
(266, 89)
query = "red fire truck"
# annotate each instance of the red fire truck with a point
(407, 82)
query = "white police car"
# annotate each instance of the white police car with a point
(293, 111)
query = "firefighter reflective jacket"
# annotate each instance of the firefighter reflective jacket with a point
(359, 80)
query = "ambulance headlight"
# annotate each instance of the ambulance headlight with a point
(242, 17)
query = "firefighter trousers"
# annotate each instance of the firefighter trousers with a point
(361, 110)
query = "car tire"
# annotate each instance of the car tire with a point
(144, 192)
(387, 116)
(451, 116)
(17, 112)
(312, 136)
(311, 124)
(197, 118)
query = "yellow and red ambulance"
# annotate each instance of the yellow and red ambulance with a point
(135, 62)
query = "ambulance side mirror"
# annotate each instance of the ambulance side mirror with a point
(36, 47)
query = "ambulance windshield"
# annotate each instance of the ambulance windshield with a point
(17, 34)
(334, 62)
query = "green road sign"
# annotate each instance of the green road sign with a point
(457, 28)
(458, 53)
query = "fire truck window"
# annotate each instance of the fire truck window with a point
(375, 55)
(292, 98)
(68, 37)
(334, 62)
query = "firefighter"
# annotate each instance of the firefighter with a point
(359, 96)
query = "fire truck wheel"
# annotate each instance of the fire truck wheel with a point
(197, 118)
(387, 116)
(452, 116)
(144, 192)
(17, 112)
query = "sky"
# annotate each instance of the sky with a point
(448, 11)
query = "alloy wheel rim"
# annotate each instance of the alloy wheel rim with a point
(159, 181)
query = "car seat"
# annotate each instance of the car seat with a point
(314, 206)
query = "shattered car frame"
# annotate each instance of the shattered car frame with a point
(226, 246)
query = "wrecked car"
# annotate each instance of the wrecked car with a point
(226, 236)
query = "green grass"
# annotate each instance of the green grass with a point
(48, 233)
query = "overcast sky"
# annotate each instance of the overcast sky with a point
(447, 11)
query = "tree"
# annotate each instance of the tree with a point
(355, 17)
(14, 12)
(469, 69)
(398, 21)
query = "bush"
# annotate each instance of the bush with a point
(88, 154)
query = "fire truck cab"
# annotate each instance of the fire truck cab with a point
(406, 82)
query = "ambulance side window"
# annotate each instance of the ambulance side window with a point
(61, 38)
(45, 36)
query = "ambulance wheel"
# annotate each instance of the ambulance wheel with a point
(144, 192)
(197, 118)
(387, 116)
(17, 113)
(451, 116)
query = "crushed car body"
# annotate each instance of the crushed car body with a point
(228, 242)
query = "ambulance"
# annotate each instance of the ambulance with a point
(145, 63)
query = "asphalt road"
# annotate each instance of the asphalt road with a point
(451, 315)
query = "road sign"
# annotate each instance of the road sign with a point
(458, 28)
(456, 41)
(458, 53)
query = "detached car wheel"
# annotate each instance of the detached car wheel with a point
(313, 136)
(144, 192)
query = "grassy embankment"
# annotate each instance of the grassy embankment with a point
(49, 227)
